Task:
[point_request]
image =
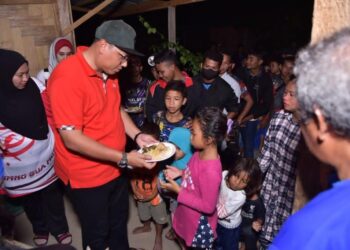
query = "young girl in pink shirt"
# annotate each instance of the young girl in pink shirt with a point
(195, 218)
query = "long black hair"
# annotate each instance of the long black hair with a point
(213, 123)
(251, 167)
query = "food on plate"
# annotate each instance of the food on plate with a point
(156, 151)
(133, 109)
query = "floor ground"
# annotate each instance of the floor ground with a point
(24, 232)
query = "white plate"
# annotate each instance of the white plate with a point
(171, 149)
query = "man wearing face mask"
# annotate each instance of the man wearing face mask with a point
(212, 89)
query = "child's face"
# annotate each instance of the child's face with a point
(274, 68)
(165, 71)
(197, 139)
(287, 69)
(239, 181)
(226, 64)
(253, 62)
(290, 101)
(174, 101)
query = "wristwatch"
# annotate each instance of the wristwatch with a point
(123, 163)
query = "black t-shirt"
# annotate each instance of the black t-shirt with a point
(253, 210)
(261, 90)
(218, 94)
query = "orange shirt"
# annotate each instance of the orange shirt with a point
(79, 97)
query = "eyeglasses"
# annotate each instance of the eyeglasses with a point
(124, 58)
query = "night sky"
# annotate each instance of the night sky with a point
(273, 26)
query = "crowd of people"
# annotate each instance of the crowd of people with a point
(75, 128)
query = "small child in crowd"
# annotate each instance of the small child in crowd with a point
(134, 87)
(150, 205)
(253, 213)
(175, 97)
(195, 217)
(235, 182)
(181, 138)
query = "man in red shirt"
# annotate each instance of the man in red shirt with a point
(90, 135)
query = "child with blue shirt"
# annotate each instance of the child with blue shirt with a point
(175, 97)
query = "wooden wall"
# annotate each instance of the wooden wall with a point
(29, 27)
(329, 16)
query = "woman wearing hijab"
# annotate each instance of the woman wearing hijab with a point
(27, 144)
(60, 49)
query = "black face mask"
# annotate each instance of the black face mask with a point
(209, 74)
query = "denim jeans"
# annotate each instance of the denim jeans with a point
(228, 238)
(248, 133)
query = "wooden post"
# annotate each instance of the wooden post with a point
(172, 24)
(329, 16)
(64, 7)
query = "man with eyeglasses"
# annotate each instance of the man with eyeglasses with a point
(323, 87)
(90, 135)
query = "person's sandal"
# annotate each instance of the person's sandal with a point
(64, 239)
(40, 240)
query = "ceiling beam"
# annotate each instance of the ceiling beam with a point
(84, 2)
(13, 2)
(87, 16)
(85, 10)
(151, 5)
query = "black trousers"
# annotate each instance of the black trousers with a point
(45, 210)
(103, 214)
(250, 237)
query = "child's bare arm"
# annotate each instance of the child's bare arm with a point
(257, 225)
(170, 185)
(172, 172)
(179, 154)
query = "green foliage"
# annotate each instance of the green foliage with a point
(189, 60)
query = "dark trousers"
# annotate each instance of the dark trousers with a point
(228, 239)
(248, 133)
(249, 237)
(45, 210)
(103, 214)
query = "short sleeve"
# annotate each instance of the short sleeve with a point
(66, 101)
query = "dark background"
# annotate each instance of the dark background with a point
(272, 26)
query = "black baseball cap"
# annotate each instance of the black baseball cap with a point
(120, 34)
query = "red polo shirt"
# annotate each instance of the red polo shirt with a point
(79, 97)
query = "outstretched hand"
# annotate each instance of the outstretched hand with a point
(145, 140)
(257, 226)
(172, 172)
(170, 185)
(138, 160)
